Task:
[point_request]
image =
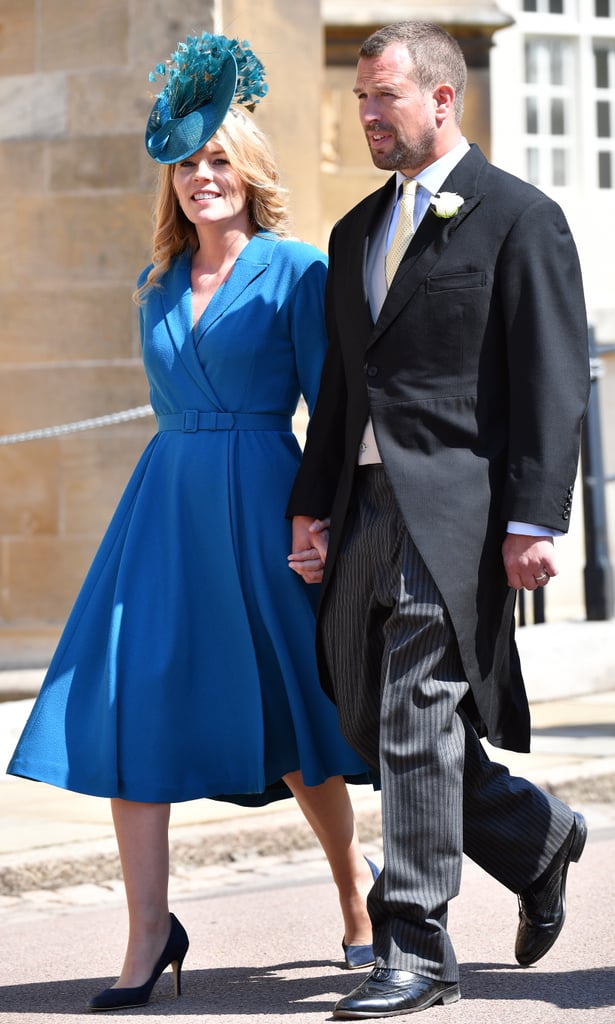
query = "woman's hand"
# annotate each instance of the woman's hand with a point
(309, 552)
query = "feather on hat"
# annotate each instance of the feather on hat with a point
(204, 76)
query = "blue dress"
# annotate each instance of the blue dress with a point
(187, 667)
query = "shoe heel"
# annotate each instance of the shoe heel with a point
(375, 870)
(450, 995)
(361, 957)
(177, 976)
(580, 838)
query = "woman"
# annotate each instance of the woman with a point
(186, 668)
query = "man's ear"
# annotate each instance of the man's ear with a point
(444, 100)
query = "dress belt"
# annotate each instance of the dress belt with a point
(192, 420)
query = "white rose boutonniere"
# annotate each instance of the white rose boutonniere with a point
(446, 204)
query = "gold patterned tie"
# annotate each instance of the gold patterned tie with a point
(403, 232)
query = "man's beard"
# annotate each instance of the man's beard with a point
(416, 154)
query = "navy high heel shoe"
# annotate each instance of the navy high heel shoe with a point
(125, 998)
(356, 957)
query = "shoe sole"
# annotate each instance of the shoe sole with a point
(444, 998)
(578, 845)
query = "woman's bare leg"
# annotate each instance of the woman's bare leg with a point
(328, 811)
(142, 832)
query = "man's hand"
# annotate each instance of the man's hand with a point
(310, 541)
(529, 561)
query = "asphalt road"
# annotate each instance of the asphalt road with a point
(265, 946)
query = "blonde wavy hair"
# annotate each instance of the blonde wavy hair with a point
(250, 155)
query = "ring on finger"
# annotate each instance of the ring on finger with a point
(543, 578)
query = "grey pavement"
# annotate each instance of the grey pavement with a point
(269, 951)
(255, 894)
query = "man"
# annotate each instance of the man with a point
(444, 448)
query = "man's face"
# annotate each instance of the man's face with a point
(397, 118)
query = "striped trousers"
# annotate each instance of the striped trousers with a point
(398, 682)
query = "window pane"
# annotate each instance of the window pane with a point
(556, 6)
(557, 117)
(533, 166)
(531, 115)
(557, 64)
(531, 63)
(529, 5)
(559, 167)
(602, 8)
(603, 119)
(601, 58)
(605, 176)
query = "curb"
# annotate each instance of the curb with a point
(190, 847)
(197, 846)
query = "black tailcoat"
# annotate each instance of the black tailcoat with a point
(476, 376)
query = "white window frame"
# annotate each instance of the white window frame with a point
(544, 91)
(581, 30)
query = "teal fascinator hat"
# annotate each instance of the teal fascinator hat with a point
(204, 76)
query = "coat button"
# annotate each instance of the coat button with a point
(372, 371)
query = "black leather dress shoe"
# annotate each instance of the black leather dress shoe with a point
(388, 993)
(542, 906)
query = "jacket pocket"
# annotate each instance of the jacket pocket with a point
(450, 282)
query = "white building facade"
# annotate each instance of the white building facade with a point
(553, 123)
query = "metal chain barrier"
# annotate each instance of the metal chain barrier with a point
(70, 428)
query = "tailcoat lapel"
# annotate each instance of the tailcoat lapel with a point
(350, 287)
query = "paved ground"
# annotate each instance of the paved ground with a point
(265, 946)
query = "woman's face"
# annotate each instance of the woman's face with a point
(209, 191)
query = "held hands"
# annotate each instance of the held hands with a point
(310, 541)
(529, 561)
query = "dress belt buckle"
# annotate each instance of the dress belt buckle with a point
(191, 421)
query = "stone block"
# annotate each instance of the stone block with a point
(340, 192)
(95, 472)
(27, 649)
(109, 102)
(103, 162)
(78, 239)
(29, 484)
(23, 167)
(83, 34)
(35, 397)
(160, 25)
(41, 577)
(17, 37)
(33, 106)
(148, 174)
(67, 325)
(8, 229)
